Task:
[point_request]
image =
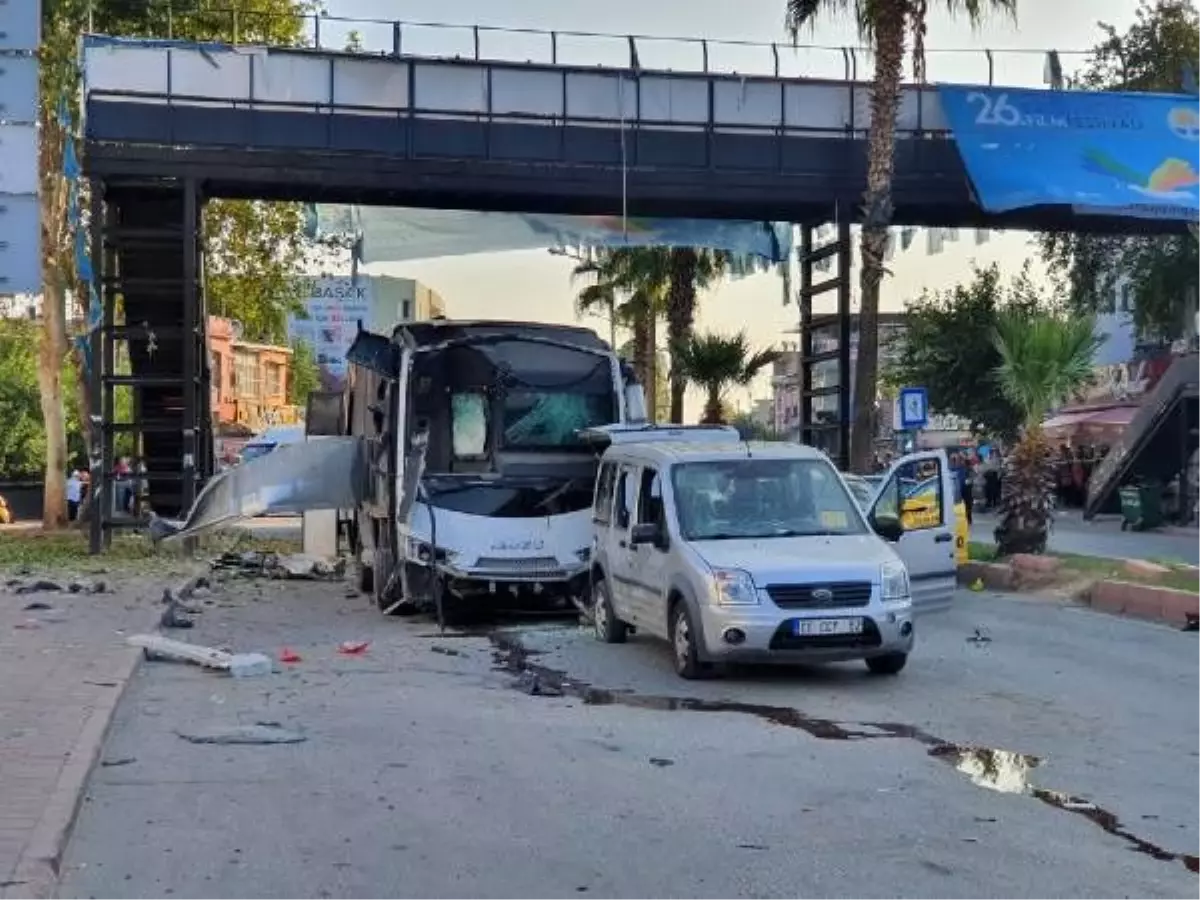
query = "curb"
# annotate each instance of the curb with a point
(1144, 601)
(37, 871)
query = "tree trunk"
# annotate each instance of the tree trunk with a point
(714, 411)
(53, 346)
(645, 357)
(681, 319)
(51, 351)
(877, 216)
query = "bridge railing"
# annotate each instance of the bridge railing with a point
(174, 19)
(184, 74)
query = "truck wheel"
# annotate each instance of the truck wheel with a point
(605, 623)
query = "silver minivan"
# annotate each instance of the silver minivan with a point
(758, 552)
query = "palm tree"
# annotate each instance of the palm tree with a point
(629, 285)
(714, 362)
(692, 271)
(884, 25)
(1045, 359)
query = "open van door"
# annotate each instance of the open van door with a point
(914, 508)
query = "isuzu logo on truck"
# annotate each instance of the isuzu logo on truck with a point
(518, 546)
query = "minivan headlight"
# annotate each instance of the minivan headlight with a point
(894, 583)
(734, 587)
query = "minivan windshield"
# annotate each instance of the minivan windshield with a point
(762, 498)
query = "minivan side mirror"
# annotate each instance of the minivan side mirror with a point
(888, 527)
(645, 533)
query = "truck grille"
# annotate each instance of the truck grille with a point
(530, 567)
(800, 596)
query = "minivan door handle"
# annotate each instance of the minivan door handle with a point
(943, 538)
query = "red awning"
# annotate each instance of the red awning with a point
(1109, 418)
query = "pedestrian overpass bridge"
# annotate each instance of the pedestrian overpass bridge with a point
(400, 130)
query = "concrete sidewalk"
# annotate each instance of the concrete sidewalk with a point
(1104, 537)
(63, 669)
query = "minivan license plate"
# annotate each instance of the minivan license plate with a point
(821, 627)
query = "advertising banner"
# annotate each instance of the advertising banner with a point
(335, 306)
(1109, 154)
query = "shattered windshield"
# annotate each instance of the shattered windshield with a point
(552, 419)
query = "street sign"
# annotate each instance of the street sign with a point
(20, 24)
(914, 408)
(20, 245)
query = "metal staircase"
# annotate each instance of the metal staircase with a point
(150, 385)
(825, 345)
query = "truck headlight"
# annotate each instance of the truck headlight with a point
(733, 587)
(423, 553)
(894, 583)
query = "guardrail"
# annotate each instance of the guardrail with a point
(394, 37)
(489, 91)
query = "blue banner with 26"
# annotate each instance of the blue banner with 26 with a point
(1113, 154)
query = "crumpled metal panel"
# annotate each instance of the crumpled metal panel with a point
(326, 473)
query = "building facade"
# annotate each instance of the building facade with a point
(249, 380)
(785, 378)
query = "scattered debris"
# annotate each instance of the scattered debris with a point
(661, 762)
(41, 584)
(272, 565)
(533, 684)
(173, 617)
(445, 651)
(29, 625)
(1191, 622)
(288, 655)
(979, 638)
(250, 665)
(102, 683)
(122, 761)
(977, 585)
(244, 734)
(37, 604)
(353, 648)
(753, 847)
(155, 646)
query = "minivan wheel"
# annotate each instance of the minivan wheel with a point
(887, 664)
(684, 638)
(605, 623)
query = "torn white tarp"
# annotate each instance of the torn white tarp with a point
(329, 473)
(396, 235)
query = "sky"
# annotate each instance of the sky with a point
(533, 285)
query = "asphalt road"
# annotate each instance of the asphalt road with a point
(428, 772)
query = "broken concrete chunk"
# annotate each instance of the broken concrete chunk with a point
(157, 646)
(244, 734)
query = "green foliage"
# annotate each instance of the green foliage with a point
(305, 374)
(1046, 357)
(948, 347)
(22, 437)
(1161, 270)
(715, 362)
